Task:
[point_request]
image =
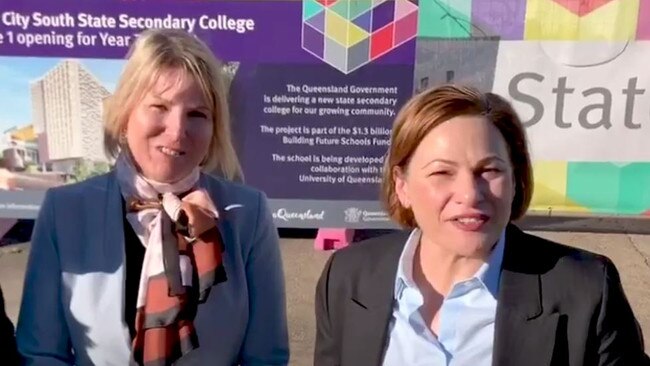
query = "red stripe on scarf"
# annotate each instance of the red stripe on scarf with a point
(155, 303)
(207, 251)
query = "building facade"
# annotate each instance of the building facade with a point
(67, 110)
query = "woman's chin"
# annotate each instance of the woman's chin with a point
(166, 171)
(164, 176)
(473, 249)
(474, 244)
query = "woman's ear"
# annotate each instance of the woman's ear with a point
(401, 187)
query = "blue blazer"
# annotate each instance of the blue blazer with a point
(72, 307)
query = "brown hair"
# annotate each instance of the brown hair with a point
(434, 106)
(153, 52)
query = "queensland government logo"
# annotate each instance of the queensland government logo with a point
(355, 215)
(352, 214)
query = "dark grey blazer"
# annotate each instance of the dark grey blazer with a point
(8, 351)
(556, 306)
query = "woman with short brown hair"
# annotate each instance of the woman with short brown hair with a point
(464, 286)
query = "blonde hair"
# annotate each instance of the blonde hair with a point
(434, 106)
(158, 50)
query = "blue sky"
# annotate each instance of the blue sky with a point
(16, 73)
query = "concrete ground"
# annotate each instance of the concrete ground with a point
(630, 253)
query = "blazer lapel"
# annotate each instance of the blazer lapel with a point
(369, 310)
(525, 331)
(217, 195)
(225, 224)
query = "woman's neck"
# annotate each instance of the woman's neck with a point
(176, 186)
(132, 182)
(439, 269)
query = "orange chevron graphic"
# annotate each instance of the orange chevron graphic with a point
(582, 7)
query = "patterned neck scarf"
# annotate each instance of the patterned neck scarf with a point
(177, 224)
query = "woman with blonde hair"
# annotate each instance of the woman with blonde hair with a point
(462, 285)
(157, 262)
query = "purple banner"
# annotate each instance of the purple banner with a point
(247, 31)
(314, 90)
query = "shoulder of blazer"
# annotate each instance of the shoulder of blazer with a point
(368, 258)
(560, 265)
(370, 250)
(537, 253)
(573, 282)
(93, 186)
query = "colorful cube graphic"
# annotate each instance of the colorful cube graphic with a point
(569, 20)
(348, 34)
(539, 20)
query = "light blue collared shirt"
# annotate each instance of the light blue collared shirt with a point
(467, 314)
